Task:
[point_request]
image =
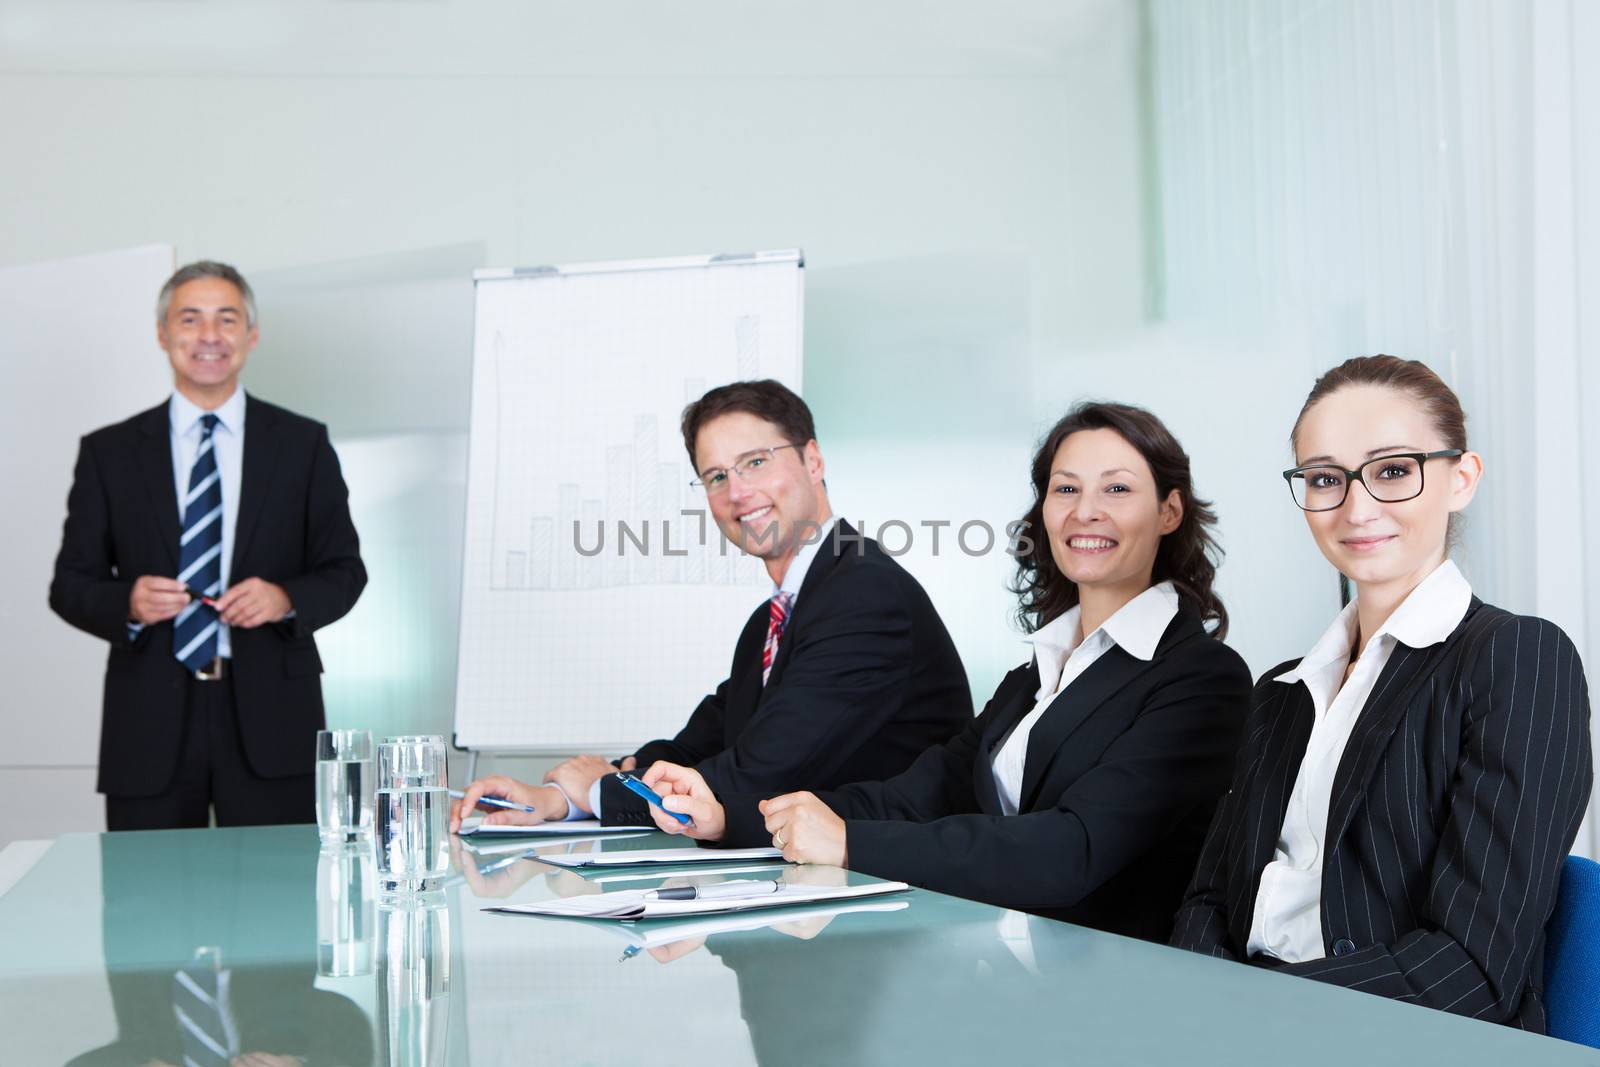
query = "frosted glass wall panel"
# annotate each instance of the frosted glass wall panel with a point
(380, 349)
(1345, 179)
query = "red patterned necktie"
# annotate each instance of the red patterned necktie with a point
(775, 622)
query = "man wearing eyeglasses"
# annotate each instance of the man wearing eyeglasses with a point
(845, 673)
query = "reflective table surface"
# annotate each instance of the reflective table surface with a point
(260, 947)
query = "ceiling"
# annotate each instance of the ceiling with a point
(531, 39)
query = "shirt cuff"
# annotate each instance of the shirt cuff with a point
(134, 630)
(594, 796)
(573, 811)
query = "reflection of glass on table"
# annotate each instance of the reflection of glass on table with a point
(413, 981)
(346, 921)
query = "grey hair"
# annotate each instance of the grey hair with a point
(206, 268)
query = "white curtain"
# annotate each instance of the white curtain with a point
(1419, 178)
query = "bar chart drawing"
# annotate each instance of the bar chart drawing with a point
(583, 532)
(644, 526)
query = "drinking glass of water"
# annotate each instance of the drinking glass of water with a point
(344, 784)
(413, 814)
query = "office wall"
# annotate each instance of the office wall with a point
(967, 186)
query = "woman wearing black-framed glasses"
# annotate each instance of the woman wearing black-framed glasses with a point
(1408, 790)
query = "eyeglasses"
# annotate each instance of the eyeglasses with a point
(1390, 479)
(751, 467)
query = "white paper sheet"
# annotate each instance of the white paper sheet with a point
(629, 905)
(469, 828)
(664, 856)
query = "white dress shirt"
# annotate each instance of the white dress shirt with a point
(1287, 922)
(1062, 658)
(793, 577)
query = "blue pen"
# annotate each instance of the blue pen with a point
(496, 802)
(650, 794)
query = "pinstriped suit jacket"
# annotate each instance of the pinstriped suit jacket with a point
(1453, 807)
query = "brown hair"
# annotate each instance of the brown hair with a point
(1187, 557)
(1410, 376)
(765, 399)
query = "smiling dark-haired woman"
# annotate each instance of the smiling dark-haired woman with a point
(1084, 788)
(1408, 790)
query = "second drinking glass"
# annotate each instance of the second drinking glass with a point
(413, 814)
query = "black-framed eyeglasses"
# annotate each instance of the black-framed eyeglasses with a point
(1391, 479)
(750, 467)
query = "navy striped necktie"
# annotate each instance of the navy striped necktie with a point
(194, 637)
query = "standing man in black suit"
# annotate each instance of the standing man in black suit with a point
(846, 672)
(207, 555)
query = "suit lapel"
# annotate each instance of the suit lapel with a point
(1012, 707)
(1071, 709)
(1008, 711)
(1391, 697)
(822, 565)
(155, 463)
(259, 464)
(1283, 750)
(1078, 703)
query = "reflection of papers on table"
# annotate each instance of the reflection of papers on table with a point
(477, 828)
(656, 935)
(490, 847)
(665, 856)
(630, 905)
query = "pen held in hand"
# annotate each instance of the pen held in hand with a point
(496, 802)
(634, 785)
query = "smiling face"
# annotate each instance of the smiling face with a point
(779, 495)
(1375, 544)
(1104, 514)
(207, 339)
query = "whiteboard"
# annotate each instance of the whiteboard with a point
(598, 601)
(79, 338)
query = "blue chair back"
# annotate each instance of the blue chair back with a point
(1572, 955)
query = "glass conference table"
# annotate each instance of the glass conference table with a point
(118, 949)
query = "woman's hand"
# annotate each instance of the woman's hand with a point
(806, 829)
(683, 790)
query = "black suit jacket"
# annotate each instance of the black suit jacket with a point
(866, 677)
(1458, 795)
(293, 529)
(1122, 774)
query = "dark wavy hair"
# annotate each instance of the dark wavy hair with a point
(1187, 557)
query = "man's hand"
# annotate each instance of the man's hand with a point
(154, 600)
(683, 790)
(577, 775)
(806, 829)
(253, 602)
(546, 800)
